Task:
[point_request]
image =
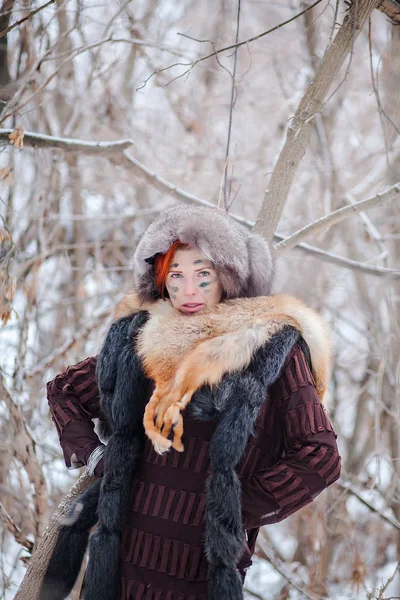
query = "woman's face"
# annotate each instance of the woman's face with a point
(192, 282)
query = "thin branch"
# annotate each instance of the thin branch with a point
(15, 531)
(391, 10)
(162, 184)
(39, 140)
(301, 126)
(11, 106)
(351, 489)
(233, 97)
(82, 334)
(28, 16)
(337, 216)
(176, 192)
(25, 452)
(231, 47)
(347, 263)
(8, 108)
(121, 40)
(282, 569)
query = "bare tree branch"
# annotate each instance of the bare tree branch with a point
(28, 16)
(24, 448)
(337, 216)
(282, 569)
(230, 47)
(112, 149)
(341, 261)
(391, 10)
(301, 126)
(348, 486)
(37, 140)
(14, 529)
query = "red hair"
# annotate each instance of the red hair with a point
(162, 263)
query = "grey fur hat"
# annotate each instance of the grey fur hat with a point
(243, 260)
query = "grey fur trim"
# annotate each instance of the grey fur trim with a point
(243, 260)
(241, 395)
(72, 540)
(123, 391)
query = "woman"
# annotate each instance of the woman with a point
(203, 360)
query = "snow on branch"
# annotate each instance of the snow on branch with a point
(118, 155)
(39, 140)
(337, 216)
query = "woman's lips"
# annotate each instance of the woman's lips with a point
(191, 307)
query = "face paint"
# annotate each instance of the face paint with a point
(195, 274)
(170, 290)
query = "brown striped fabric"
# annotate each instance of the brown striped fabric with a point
(291, 458)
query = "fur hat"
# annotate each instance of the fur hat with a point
(243, 260)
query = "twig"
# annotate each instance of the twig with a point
(348, 486)
(233, 94)
(341, 261)
(282, 569)
(391, 10)
(61, 350)
(28, 16)
(337, 216)
(334, 21)
(120, 40)
(384, 587)
(301, 126)
(231, 47)
(381, 112)
(25, 452)
(14, 529)
(174, 191)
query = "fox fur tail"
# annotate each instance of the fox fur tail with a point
(207, 359)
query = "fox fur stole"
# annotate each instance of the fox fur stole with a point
(181, 353)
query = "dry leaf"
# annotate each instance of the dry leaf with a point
(5, 311)
(4, 236)
(17, 137)
(10, 288)
(6, 175)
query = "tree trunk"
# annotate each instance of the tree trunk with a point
(31, 583)
(301, 127)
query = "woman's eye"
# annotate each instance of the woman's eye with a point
(204, 273)
(175, 275)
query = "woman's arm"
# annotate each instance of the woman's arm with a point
(311, 460)
(74, 401)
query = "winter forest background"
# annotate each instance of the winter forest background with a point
(313, 123)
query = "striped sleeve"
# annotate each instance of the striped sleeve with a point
(310, 460)
(74, 400)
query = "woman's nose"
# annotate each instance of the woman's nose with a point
(190, 287)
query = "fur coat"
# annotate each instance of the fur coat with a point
(264, 330)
